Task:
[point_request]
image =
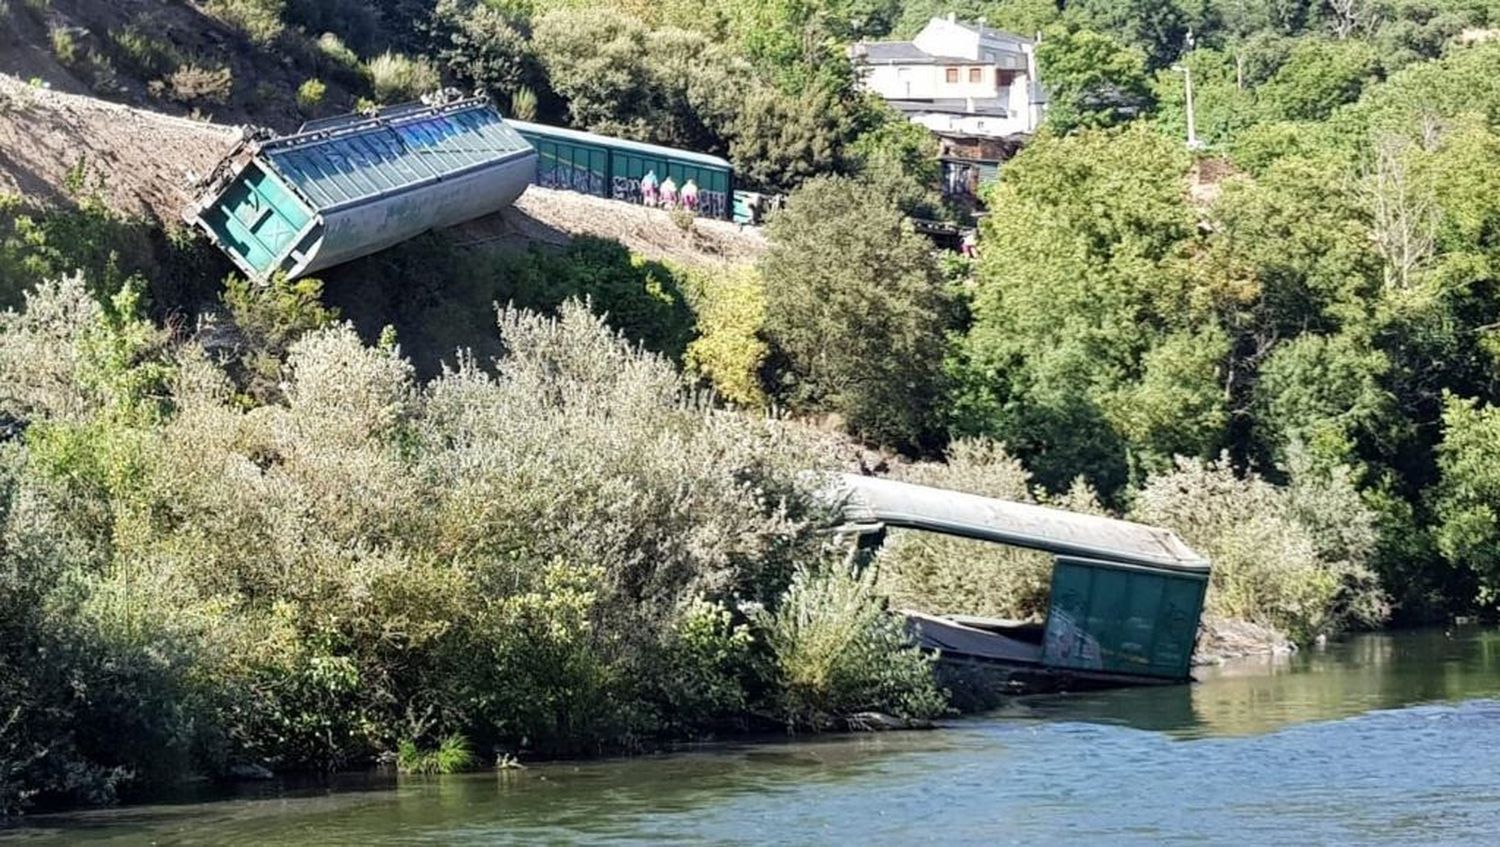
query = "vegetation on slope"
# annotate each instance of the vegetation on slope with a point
(1283, 346)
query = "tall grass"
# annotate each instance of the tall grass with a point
(394, 77)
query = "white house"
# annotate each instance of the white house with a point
(958, 78)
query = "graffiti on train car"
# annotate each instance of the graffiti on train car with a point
(713, 204)
(571, 178)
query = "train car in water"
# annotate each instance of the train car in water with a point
(630, 171)
(1124, 606)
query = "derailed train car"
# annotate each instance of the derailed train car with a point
(350, 186)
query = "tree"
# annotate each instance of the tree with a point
(1159, 28)
(667, 86)
(1092, 349)
(855, 309)
(1468, 496)
(483, 47)
(900, 158)
(1317, 77)
(1092, 79)
(782, 139)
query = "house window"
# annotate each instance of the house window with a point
(952, 75)
(1004, 77)
(975, 74)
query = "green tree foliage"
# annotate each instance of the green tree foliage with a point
(1468, 495)
(940, 574)
(1092, 79)
(900, 159)
(838, 653)
(1317, 77)
(484, 47)
(1158, 28)
(546, 554)
(620, 78)
(855, 307)
(1086, 352)
(1293, 558)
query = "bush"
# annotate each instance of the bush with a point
(1293, 558)
(333, 48)
(939, 574)
(195, 85)
(838, 652)
(542, 554)
(144, 54)
(452, 755)
(523, 104)
(730, 306)
(65, 46)
(261, 20)
(310, 95)
(395, 78)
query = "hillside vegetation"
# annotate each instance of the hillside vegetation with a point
(236, 529)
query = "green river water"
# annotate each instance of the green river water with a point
(1383, 739)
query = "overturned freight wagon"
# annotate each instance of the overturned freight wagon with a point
(346, 187)
(1125, 602)
(622, 170)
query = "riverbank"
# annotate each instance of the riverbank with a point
(1190, 760)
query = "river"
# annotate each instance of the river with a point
(1382, 739)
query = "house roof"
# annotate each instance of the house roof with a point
(994, 34)
(903, 53)
(354, 158)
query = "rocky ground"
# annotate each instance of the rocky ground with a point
(1223, 640)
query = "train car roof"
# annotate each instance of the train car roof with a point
(354, 158)
(871, 502)
(644, 149)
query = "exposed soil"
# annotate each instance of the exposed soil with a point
(548, 216)
(140, 162)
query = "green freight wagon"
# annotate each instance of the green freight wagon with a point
(1125, 603)
(614, 167)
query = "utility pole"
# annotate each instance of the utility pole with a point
(1187, 84)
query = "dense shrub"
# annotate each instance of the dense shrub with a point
(261, 20)
(195, 85)
(144, 54)
(1292, 558)
(310, 95)
(547, 555)
(856, 308)
(939, 574)
(730, 310)
(837, 652)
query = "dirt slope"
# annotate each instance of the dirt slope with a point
(141, 162)
(547, 216)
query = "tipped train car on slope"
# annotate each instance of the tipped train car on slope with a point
(349, 186)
